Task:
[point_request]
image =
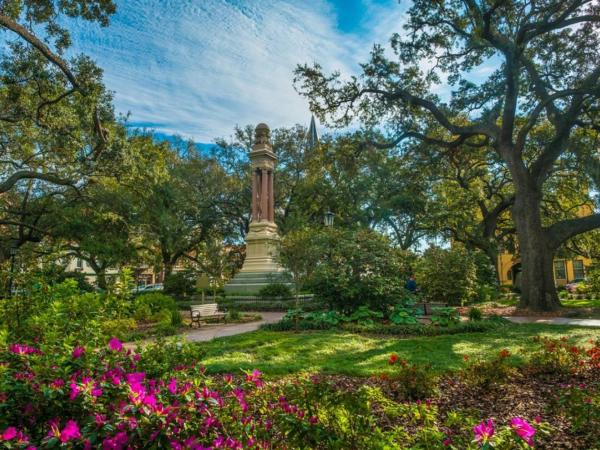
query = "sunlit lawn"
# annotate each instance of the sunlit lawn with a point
(351, 354)
(581, 303)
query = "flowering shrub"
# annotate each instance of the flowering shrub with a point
(161, 397)
(484, 373)
(582, 405)
(411, 381)
(558, 356)
(105, 399)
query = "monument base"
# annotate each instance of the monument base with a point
(261, 266)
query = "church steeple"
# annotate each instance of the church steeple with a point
(312, 139)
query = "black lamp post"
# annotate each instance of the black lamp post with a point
(328, 219)
(13, 253)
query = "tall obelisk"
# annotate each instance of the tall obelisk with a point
(261, 265)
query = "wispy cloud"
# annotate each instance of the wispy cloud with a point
(199, 67)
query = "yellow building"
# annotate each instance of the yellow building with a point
(565, 270)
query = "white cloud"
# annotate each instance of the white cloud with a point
(198, 67)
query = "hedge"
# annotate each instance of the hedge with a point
(479, 326)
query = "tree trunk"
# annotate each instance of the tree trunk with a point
(101, 279)
(538, 291)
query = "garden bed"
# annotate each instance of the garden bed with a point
(116, 399)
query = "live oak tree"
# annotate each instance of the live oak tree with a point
(547, 61)
(56, 119)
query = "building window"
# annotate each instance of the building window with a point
(79, 263)
(578, 269)
(560, 270)
(509, 275)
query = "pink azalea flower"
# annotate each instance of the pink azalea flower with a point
(115, 345)
(70, 432)
(9, 434)
(96, 391)
(523, 429)
(484, 431)
(78, 352)
(22, 349)
(74, 391)
(173, 386)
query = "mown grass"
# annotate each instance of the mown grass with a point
(581, 303)
(277, 353)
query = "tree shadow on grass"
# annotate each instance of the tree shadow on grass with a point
(277, 353)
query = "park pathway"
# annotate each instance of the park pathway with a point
(555, 321)
(208, 332)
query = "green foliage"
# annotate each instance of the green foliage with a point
(447, 275)
(445, 316)
(593, 280)
(154, 302)
(485, 373)
(275, 291)
(233, 314)
(413, 382)
(475, 314)
(180, 284)
(403, 316)
(119, 328)
(358, 268)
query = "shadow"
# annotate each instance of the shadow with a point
(277, 353)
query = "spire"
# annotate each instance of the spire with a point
(312, 138)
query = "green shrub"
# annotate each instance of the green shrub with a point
(176, 319)
(403, 316)
(119, 328)
(484, 374)
(180, 284)
(445, 316)
(475, 314)
(275, 290)
(165, 329)
(411, 381)
(233, 314)
(154, 302)
(448, 275)
(358, 268)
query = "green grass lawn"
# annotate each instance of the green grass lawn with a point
(277, 353)
(581, 303)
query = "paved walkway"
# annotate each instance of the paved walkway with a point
(208, 332)
(555, 321)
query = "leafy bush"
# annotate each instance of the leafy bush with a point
(448, 275)
(445, 316)
(484, 373)
(593, 280)
(403, 316)
(411, 381)
(475, 314)
(275, 290)
(120, 328)
(180, 284)
(556, 356)
(150, 306)
(359, 268)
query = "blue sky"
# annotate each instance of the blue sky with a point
(199, 67)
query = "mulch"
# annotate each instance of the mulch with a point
(525, 394)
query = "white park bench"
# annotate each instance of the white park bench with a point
(199, 313)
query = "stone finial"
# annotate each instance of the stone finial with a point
(262, 134)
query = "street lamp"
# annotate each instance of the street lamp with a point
(328, 219)
(13, 253)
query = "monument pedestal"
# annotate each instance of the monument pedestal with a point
(260, 266)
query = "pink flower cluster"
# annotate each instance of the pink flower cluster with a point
(113, 404)
(485, 430)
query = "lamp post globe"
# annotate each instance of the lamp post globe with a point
(328, 219)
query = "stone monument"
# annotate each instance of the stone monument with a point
(261, 266)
